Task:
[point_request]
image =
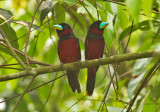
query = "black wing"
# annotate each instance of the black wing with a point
(78, 48)
(86, 48)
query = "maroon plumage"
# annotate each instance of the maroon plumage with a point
(69, 51)
(94, 47)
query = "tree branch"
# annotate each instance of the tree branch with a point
(83, 64)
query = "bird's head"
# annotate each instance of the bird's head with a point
(63, 29)
(97, 27)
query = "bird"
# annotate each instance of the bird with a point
(69, 51)
(94, 48)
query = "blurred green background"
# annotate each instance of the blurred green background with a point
(43, 48)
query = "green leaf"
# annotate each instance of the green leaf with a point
(108, 35)
(61, 17)
(78, 17)
(133, 7)
(9, 33)
(154, 92)
(108, 7)
(149, 108)
(157, 34)
(91, 9)
(122, 17)
(114, 8)
(46, 10)
(138, 72)
(147, 7)
(103, 15)
(27, 24)
(8, 55)
(144, 25)
(5, 14)
(44, 13)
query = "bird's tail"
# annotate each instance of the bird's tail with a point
(91, 80)
(73, 81)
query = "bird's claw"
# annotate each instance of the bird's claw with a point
(80, 62)
(61, 64)
(86, 60)
(100, 59)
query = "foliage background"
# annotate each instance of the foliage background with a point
(120, 14)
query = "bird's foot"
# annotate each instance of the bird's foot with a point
(61, 64)
(80, 62)
(86, 60)
(100, 59)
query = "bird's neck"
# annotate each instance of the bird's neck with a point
(66, 35)
(97, 32)
(66, 32)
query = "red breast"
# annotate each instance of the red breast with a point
(69, 50)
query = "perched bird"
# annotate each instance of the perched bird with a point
(69, 51)
(94, 47)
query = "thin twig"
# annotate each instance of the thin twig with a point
(34, 49)
(107, 90)
(33, 88)
(3, 58)
(2, 40)
(126, 73)
(157, 108)
(114, 19)
(96, 9)
(15, 50)
(74, 24)
(115, 70)
(47, 21)
(50, 33)
(121, 43)
(49, 93)
(129, 37)
(105, 95)
(103, 77)
(152, 75)
(143, 83)
(12, 51)
(6, 20)
(22, 54)
(86, 9)
(74, 104)
(124, 107)
(112, 79)
(119, 3)
(120, 100)
(108, 54)
(106, 107)
(27, 41)
(14, 109)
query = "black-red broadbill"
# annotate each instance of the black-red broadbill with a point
(69, 51)
(94, 48)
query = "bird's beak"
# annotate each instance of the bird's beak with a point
(103, 25)
(58, 27)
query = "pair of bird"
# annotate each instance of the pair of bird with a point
(69, 51)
